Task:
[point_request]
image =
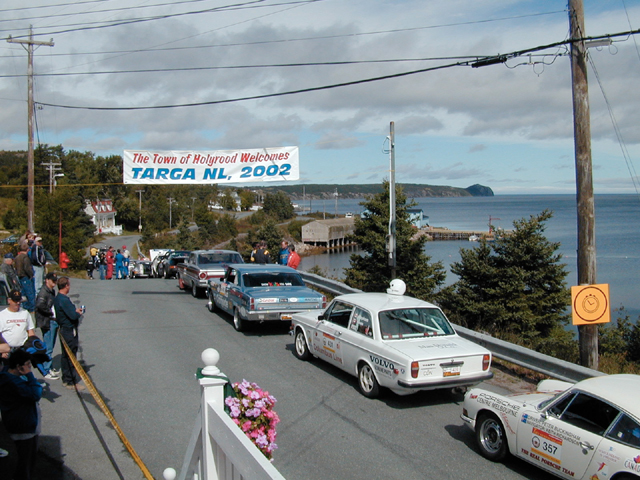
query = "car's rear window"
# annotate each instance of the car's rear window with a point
(272, 280)
(413, 322)
(213, 258)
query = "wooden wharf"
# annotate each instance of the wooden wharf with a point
(446, 234)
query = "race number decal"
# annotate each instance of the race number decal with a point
(547, 446)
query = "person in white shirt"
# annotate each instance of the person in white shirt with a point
(16, 324)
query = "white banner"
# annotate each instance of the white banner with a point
(220, 166)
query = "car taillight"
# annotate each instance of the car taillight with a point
(415, 368)
(486, 361)
(202, 275)
(252, 304)
(324, 302)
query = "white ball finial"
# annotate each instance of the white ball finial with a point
(210, 358)
(169, 474)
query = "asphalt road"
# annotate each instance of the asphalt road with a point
(141, 342)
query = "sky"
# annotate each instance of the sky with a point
(507, 126)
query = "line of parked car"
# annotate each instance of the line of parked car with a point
(588, 430)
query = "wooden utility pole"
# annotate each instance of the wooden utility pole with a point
(28, 46)
(587, 334)
(391, 239)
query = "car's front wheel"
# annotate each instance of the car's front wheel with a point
(238, 323)
(490, 437)
(211, 305)
(367, 382)
(194, 290)
(301, 349)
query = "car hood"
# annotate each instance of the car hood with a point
(531, 398)
(436, 347)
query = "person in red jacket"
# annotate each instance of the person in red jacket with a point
(294, 259)
(111, 260)
(64, 261)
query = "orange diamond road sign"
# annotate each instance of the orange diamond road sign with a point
(590, 304)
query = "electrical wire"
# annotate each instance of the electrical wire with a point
(91, 12)
(117, 23)
(623, 146)
(500, 58)
(260, 66)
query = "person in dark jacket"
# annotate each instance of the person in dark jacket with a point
(20, 393)
(25, 274)
(46, 320)
(10, 272)
(262, 255)
(68, 318)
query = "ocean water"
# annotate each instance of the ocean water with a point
(617, 235)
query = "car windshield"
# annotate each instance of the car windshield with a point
(413, 322)
(272, 280)
(213, 258)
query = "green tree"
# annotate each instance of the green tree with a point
(269, 233)
(64, 207)
(370, 272)
(227, 227)
(514, 287)
(246, 199)
(278, 205)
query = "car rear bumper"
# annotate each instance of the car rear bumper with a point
(448, 382)
(263, 316)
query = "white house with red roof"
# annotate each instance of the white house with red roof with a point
(103, 216)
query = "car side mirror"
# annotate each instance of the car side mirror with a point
(321, 317)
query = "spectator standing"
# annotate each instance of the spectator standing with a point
(64, 261)
(102, 265)
(20, 393)
(16, 324)
(284, 253)
(127, 256)
(10, 272)
(38, 260)
(90, 266)
(120, 265)
(252, 258)
(111, 260)
(24, 269)
(294, 258)
(46, 321)
(262, 254)
(68, 318)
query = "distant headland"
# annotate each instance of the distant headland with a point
(411, 190)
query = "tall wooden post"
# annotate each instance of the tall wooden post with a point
(588, 334)
(28, 46)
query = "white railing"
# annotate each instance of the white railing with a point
(115, 230)
(219, 449)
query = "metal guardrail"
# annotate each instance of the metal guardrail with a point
(524, 357)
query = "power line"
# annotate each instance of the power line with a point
(92, 12)
(326, 37)
(488, 60)
(116, 23)
(274, 65)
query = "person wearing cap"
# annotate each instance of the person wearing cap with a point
(24, 270)
(46, 321)
(10, 272)
(20, 393)
(38, 260)
(16, 324)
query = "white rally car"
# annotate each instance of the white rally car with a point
(390, 340)
(588, 430)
